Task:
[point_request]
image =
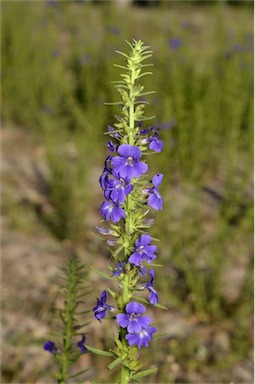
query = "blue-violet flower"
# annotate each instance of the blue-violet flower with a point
(111, 211)
(127, 165)
(117, 189)
(50, 346)
(81, 345)
(156, 144)
(155, 200)
(119, 269)
(141, 338)
(144, 251)
(101, 307)
(153, 295)
(133, 319)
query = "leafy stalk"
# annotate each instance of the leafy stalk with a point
(125, 185)
(69, 338)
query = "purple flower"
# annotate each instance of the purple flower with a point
(144, 251)
(115, 30)
(119, 269)
(116, 135)
(101, 307)
(155, 200)
(156, 144)
(133, 319)
(175, 43)
(50, 346)
(127, 165)
(141, 338)
(117, 190)
(111, 146)
(105, 175)
(153, 296)
(142, 270)
(111, 211)
(157, 179)
(103, 180)
(103, 231)
(142, 131)
(111, 242)
(81, 345)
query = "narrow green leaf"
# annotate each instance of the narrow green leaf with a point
(112, 293)
(160, 306)
(145, 57)
(156, 265)
(114, 363)
(118, 343)
(130, 43)
(147, 118)
(144, 48)
(147, 65)
(79, 373)
(84, 325)
(141, 299)
(118, 250)
(144, 373)
(144, 74)
(83, 312)
(105, 275)
(99, 351)
(147, 93)
(147, 302)
(115, 103)
(117, 86)
(123, 54)
(141, 102)
(122, 67)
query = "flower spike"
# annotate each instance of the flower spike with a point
(129, 193)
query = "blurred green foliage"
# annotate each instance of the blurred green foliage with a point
(57, 68)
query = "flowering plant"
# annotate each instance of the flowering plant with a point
(68, 335)
(128, 196)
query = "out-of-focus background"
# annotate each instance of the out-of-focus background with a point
(57, 69)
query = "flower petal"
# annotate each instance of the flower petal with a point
(143, 240)
(122, 319)
(126, 150)
(157, 179)
(134, 307)
(155, 201)
(144, 321)
(135, 259)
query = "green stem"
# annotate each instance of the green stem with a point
(124, 375)
(128, 235)
(68, 333)
(131, 109)
(125, 372)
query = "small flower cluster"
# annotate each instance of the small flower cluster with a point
(138, 326)
(51, 347)
(118, 180)
(118, 173)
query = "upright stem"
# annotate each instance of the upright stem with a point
(124, 377)
(134, 63)
(131, 110)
